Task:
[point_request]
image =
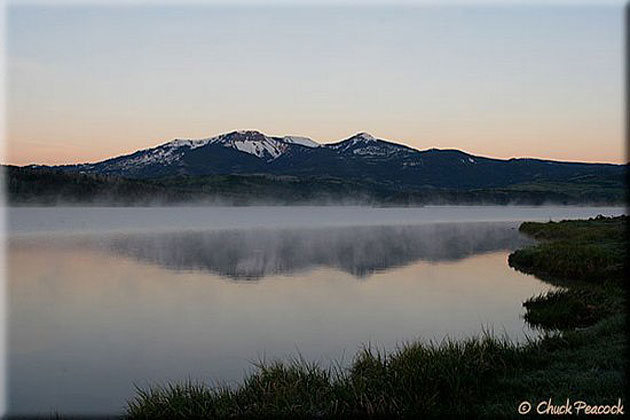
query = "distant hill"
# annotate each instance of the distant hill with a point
(249, 167)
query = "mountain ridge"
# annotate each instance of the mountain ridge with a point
(361, 157)
(309, 142)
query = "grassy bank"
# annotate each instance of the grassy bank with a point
(581, 358)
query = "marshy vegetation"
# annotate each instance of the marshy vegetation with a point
(581, 354)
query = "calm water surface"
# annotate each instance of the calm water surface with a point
(102, 299)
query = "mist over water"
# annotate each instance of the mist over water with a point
(104, 299)
(81, 220)
(360, 251)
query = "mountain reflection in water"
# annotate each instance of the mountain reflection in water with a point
(361, 251)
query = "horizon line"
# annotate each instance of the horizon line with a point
(357, 133)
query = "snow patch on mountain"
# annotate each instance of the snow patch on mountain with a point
(366, 137)
(190, 143)
(358, 140)
(166, 154)
(254, 143)
(263, 148)
(373, 150)
(302, 141)
(247, 141)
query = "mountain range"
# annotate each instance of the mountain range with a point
(361, 156)
(248, 163)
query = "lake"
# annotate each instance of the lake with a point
(103, 299)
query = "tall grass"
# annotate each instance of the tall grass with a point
(417, 379)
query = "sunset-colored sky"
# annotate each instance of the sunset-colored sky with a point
(89, 82)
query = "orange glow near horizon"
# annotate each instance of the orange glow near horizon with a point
(87, 84)
(99, 146)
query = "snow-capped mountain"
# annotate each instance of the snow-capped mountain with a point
(360, 157)
(248, 141)
(252, 142)
(236, 151)
(359, 140)
(367, 145)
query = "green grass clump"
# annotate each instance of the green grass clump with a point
(428, 379)
(570, 308)
(588, 262)
(581, 356)
(595, 229)
(185, 400)
(591, 250)
(276, 389)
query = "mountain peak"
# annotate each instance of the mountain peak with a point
(358, 140)
(364, 136)
(252, 142)
(246, 135)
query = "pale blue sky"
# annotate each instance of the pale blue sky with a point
(89, 82)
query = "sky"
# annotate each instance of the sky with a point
(88, 82)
